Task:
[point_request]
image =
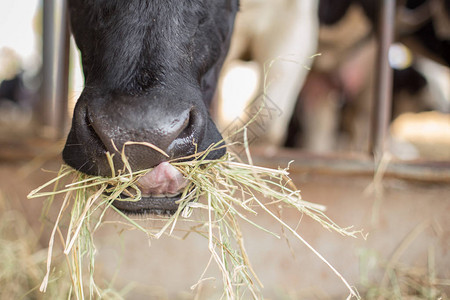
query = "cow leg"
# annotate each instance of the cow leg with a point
(319, 113)
(287, 57)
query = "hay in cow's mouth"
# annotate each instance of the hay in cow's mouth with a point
(231, 191)
(161, 188)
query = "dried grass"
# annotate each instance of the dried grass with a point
(22, 260)
(226, 190)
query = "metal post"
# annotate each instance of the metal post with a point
(54, 90)
(383, 84)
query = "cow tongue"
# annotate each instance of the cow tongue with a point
(163, 180)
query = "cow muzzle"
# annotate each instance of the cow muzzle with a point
(108, 123)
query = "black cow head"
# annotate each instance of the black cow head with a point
(150, 69)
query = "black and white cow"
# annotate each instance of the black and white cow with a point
(150, 68)
(336, 102)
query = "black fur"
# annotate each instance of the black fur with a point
(151, 68)
(331, 12)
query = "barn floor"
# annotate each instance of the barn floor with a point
(407, 250)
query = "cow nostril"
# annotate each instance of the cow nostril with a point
(90, 126)
(189, 127)
(97, 135)
(185, 142)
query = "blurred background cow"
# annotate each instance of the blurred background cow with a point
(333, 110)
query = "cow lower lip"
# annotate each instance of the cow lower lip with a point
(160, 188)
(149, 205)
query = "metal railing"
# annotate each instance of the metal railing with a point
(55, 68)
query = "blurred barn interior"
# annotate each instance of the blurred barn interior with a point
(356, 93)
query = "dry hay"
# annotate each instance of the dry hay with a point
(225, 191)
(22, 261)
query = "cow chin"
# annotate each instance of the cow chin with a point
(149, 205)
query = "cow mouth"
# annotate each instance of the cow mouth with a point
(157, 205)
(161, 188)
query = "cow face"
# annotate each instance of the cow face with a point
(150, 70)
